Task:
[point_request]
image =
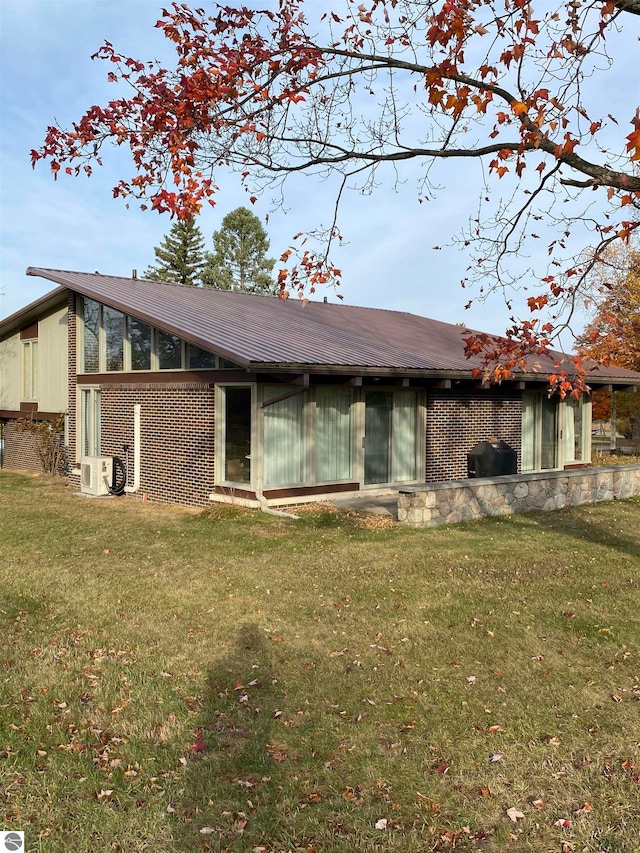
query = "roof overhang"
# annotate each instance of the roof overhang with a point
(40, 308)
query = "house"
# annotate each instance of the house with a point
(217, 395)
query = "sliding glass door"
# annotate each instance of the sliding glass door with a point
(390, 437)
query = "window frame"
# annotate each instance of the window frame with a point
(219, 363)
(93, 441)
(562, 459)
(220, 435)
(30, 370)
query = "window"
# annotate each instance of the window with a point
(113, 342)
(574, 431)
(30, 370)
(91, 322)
(89, 422)
(555, 432)
(140, 343)
(237, 434)
(284, 445)
(169, 351)
(113, 322)
(333, 434)
(199, 359)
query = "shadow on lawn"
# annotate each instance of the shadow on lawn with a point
(232, 775)
(598, 532)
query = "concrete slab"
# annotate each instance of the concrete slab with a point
(386, 505)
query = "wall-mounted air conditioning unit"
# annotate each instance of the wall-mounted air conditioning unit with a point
(95, 475)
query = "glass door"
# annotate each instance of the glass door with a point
(549, 433)
(237, 434)
(377, 437)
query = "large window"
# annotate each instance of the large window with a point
(140, 343)
(91, 321)
(113, 322)
(169, 350)
(284, 444)
(114, 342)
(333, 434)
(30, 370)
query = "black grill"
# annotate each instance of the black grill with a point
(492, 459)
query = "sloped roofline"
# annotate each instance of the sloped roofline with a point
(39, 307)
(263, 334)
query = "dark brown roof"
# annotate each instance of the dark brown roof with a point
(262, 331)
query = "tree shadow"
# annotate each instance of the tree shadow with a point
(233, 768)
(569, 523)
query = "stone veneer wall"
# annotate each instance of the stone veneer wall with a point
(458, 419)
(467, 500)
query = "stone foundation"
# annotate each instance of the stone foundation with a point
(466, 500)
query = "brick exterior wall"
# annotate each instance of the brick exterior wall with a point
(176, 441)
(458, 420)
(72, 325)
(19, 449)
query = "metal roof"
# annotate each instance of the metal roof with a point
(263, 331)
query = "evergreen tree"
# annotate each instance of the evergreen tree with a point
(239, 260)
(180, 255)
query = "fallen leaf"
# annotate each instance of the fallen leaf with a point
(105, 794)
(207, 830)
(616, 698)
(514, 815)
(199, 745)
(554, 741)
(497, 756)
(239, 822)
(563, 823)
(586, 808)
(539, 804)
(382, 823)
(494, 729)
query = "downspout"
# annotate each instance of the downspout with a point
(267, 509)
(136, 451)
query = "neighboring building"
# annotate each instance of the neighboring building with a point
(232, 396)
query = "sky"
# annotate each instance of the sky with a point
(46, 74)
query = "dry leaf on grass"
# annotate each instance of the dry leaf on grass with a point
(514, 815)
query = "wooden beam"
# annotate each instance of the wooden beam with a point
(355, 381)
(444, 384)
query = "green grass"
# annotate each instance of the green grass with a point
(336, 675)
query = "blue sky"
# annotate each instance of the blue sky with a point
(46, 74)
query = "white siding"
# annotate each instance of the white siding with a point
(52, 358)
(10, 372)
(52, 379)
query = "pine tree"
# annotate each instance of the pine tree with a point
(180, 255)
(239, 260)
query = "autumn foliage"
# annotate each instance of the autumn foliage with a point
(613, 335)
(270, 94)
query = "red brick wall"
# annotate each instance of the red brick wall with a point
(458, 420)
(20, 449)
(176, 442)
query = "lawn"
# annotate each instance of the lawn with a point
(224, 680)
